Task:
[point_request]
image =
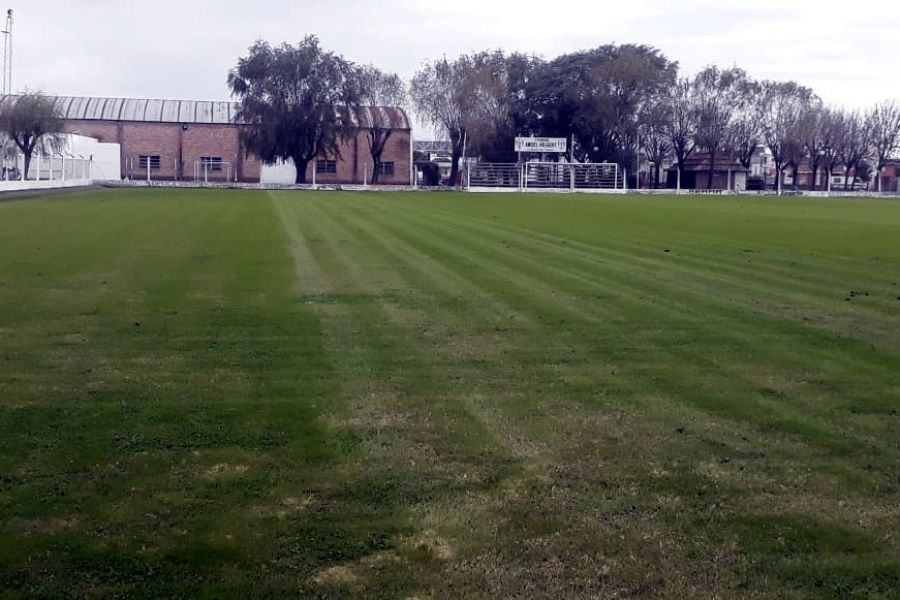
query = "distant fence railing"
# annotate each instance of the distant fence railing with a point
(544, 176)
(44, 172)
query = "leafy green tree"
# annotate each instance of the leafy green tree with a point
(295, 101)
(598, 95)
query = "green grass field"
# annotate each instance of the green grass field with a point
(241, 393)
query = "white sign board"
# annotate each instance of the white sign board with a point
(540, 144)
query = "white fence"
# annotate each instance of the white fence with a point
(45, 172)
(544, 177)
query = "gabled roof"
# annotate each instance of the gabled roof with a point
(148, 110)
(699, 161)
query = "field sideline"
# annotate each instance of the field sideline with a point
(252, 394)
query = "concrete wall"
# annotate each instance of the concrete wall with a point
(105, 157)
(21, 186)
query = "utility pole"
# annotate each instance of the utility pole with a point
(8, 53)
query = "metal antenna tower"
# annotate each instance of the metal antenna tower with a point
(8, 53)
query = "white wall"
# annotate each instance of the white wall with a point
(282, 172)
(107, 164)
(19, 186)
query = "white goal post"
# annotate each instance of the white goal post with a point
(212, 170)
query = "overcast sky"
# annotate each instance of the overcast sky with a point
(847, 53)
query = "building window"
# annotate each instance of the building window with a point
(386, 168)
(211, 163)
(326, 166)
(152, 160)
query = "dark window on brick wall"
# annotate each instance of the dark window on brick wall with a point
(326, 166)
(144, 159)
(212, 163)
(386, 168)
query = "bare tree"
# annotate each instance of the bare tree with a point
(33, 123)
(816, 134)
(832, 124)
(474, 100)
(444, 98)
(491, 83)
(781, 107)
(745, 133)
(852, 143)
(379, 90)
(720, 94)
(656, 140)
(794, 151)
(683, 123)
(883, 124)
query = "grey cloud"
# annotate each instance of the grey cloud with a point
(184, 49)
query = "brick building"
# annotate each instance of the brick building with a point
(187, 140)
(728, 173)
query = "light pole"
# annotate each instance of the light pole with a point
(7, 53)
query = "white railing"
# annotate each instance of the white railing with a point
(544, 176)
(44, 172)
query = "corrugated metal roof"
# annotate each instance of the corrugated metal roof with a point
(390, 117)
(113, 109)
(82, 108)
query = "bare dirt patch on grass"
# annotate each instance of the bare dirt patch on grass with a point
(224, 471)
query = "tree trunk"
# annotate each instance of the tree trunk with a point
(712, 167)
(376, 160)
(815, 176)
(302, 164)
(27, 157)
(846, 177)
(455, 155)
(377, 141)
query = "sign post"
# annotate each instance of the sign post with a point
(541, 144)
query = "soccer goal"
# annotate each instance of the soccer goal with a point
(212, 170)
